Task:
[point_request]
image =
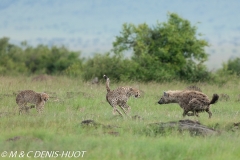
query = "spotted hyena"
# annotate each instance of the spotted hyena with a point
(119, 97)
(189, 100)
(29, 96)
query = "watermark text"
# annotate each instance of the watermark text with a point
(43, 154)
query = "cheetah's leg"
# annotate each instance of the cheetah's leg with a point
(39, 108)
(123, 109)
(127, 107)
(124, 106)
(120, 113)
(21, 107)
(116, 110)
(27, 109)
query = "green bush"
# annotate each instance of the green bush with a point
(115, 66)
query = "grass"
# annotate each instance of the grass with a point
(60, 129)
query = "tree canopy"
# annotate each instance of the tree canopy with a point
(165, 51)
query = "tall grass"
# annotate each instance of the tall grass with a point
(72, 101)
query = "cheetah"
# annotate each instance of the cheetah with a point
(119, 97)
(29, 96)
(189, 100)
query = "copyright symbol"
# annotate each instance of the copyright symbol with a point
(4, 154)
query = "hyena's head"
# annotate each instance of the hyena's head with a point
(44, 97)
(167, 98)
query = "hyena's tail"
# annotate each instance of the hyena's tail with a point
(107, 83)
(214, 99)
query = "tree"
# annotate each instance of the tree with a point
(164, 51)
(10, 58)
(233, 66)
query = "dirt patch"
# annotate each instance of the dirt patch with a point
(89, 122)
(3, 114)
(224, 97)
(92, 123)
(14, 138)
(137, 117)
(194, 88)
(74, 94)
(42, 77)
(17, 138)
(13, 94)
(113, 133)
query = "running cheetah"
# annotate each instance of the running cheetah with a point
(189, 100)
(119, 97)
(29, 96)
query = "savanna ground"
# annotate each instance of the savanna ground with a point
(73, 101)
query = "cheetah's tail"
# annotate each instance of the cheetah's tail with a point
(107, 83)
(214, 99)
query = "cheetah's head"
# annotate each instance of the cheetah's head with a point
(44, 97)
(134, 92)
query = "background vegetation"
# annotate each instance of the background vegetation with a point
(72, 101)
(168, 51)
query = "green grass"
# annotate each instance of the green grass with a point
(60, 129)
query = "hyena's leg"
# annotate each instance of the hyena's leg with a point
(193, 113)
(190, 114)
(185, 112)
(196, 113)
(195, 105)
(209, 112)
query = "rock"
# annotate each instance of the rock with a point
(194, 128)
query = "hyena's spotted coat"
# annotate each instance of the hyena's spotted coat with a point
(189, 100)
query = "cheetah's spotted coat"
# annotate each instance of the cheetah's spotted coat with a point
(29, 96)
(119, 97)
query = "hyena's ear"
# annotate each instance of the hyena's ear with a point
(165, 94)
